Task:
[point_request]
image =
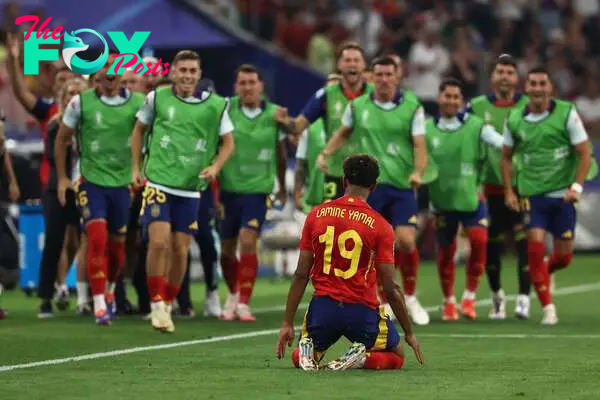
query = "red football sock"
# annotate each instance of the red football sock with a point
(248, 270)
(446, 268)
(409, 265)
(116, 259)
(383, 360)
(296, 357)
(96, 256)
(539, 272)
(170, 292)
(559, 261)
(478, 238)
(230, 267)
(156, 285)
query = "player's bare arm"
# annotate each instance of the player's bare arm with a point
(584, 152)
(293, 125)
(299, 181)
(420, 152)
(297, 289)
(23, 94)
(225, 151)
(281, 171)
(395, 296)
(340, 137)
(507, 170)
(137, 138)
(63, 139)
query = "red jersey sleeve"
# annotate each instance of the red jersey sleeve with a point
(385, 245)
(306, 239)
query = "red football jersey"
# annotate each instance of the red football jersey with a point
(347, 238)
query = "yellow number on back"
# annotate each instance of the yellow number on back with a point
(352, 255)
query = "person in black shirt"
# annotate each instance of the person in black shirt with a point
(57, 218)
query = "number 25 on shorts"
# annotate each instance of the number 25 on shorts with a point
(342, 241)
(150, 196)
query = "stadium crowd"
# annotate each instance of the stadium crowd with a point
(128, 206)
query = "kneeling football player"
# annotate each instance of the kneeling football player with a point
(345, 244)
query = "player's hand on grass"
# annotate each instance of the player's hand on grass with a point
(286, 337)
(136, 179)
(64, 184)
(210, 172)
(14, 192)
(511, 200)
(412, 341)
(415, 180)
(322, 163)
(572, 196)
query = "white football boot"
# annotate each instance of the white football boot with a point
(522, 307)
(417, 313)
(212, 304)
(550, 317)
(307, 355)
(228, 313)
(355, 357)
(498, 311)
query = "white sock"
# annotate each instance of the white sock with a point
(410, 299)
(467, 295)
(99, 302)
(499, 294)
(450, 299)
(82, 293)
(64, 288)
(110, 288)
(157, 305)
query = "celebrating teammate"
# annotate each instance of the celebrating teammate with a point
(494, 110)
(329, 103)
(246, 182)
(454, 141)
(549, 136)
(341, 240)
(390, 125)
(309, 180)
(103, 118)
(183, 155)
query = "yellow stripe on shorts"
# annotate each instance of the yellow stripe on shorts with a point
(382, 336)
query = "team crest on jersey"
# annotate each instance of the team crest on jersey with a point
(568, 235)
(338, 109)
(435, 142)
(164, 141)
(155, 210)
(95, 146)
(201, 145)
(99, 123)
(265, 155)
(171, 113)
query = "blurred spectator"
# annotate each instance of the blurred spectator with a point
(586, 8)
(293, 32)
(529, 60)
(321, 51)
(226, 9)
(364, 23)
(588, 106)
(132, 81)
(464, 62)
(428, 62)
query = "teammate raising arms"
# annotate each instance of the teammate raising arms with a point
(455, 144)
(103, 118)
(390, 125)
(344, 245)
(183, 155)
(550, 138)
(246, 182)
(494, 110)
(329, 103)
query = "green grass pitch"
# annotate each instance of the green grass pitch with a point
(211, 359)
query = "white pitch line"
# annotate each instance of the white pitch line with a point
(508, 336)
(115, 353)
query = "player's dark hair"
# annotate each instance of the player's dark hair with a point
(505, 59)
(350, 46)
(385, 60)
(185, 55)
(248, 69)
(450, 82)
(164, 81)
(361, 170)
(540, 69)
